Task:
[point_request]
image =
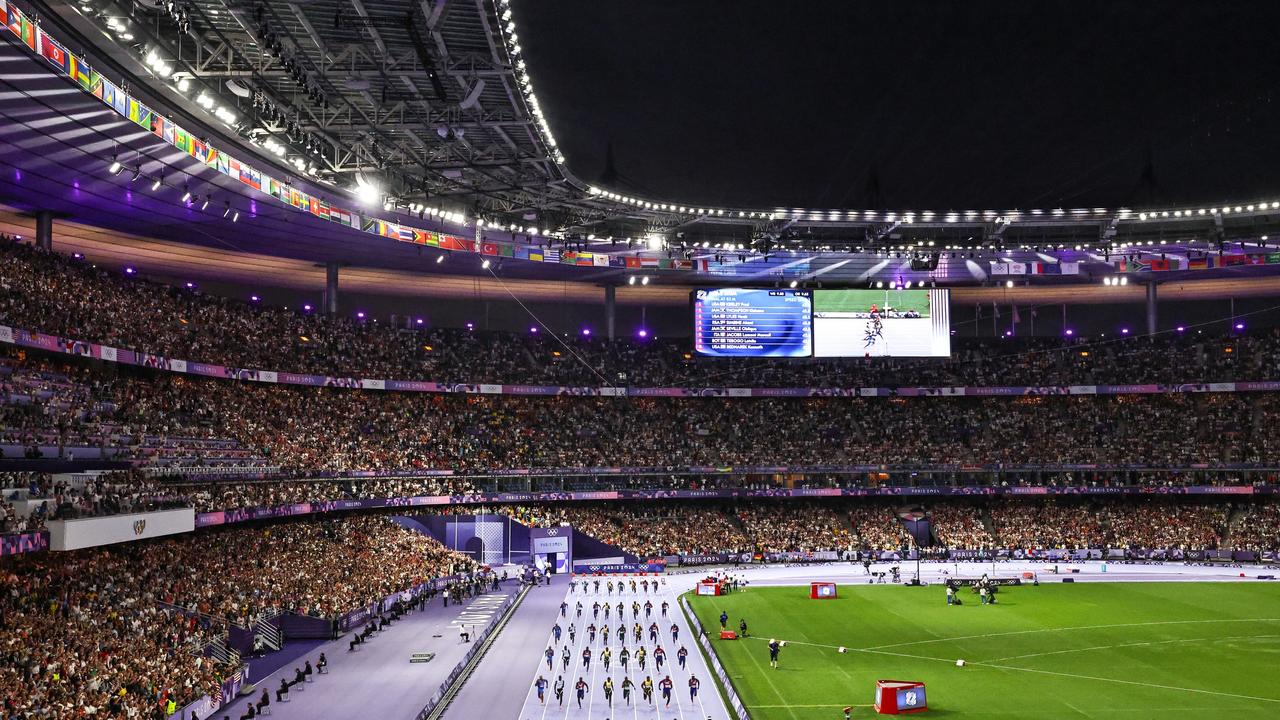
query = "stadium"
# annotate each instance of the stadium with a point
(578, 360)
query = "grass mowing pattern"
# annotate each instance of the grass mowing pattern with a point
(862, 300)
(1085, 650)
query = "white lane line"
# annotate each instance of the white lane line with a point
(1066, 629)
(1051, 672)
(1132, 644)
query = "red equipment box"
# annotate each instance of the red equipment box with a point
(709, 588)
(822, 591)
(728, 635)
(894, 697)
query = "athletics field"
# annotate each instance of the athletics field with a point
(1069, 651)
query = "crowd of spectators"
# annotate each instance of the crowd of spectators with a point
(960, 526)
(796, 526)
(1256, 527)
(95, 633)
(1163, 525)
(1048, 524)
(317, 568)
(177, 420)
(69, 297)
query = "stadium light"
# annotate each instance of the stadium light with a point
(794, 283)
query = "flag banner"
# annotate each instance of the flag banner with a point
(140, 114)
(26, 31)
(85, 77)
(54, 53)
(82, 74)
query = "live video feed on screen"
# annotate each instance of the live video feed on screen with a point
(881, 323)
(761, 322)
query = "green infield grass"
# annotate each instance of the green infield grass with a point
(862, 300)
(1083, 650)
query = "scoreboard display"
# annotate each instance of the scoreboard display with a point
(799, 323)
(745, 322)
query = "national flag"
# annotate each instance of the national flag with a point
(633, 262)
(585, 260)
(1233, 259)
(1256, 260)
(84, 75)
(250, 177)
(53, 52)
(1273, 258)
(602, 259)
(224, 163)
(1159, 264)
(407, 234)
(115, 97)
(648, 262)
(339, 215)
(617, 261)
(1070, 268)
(536, 255)
(488, 249)
(4, 14)
(684, 264)
(297, 199)
(507, 250)
(1198, 263)
(169, 134)
(139, 113)
(25, 30)
(182, 140)
(426, 237)
(551, 255)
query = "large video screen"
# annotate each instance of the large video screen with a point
(882, 323)
(743, 322)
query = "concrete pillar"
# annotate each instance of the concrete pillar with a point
(1151, 309)
(44, 229)
(331, 288)
(610, 295)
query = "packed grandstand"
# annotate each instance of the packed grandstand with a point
(211, 502)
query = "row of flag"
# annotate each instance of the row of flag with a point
(1035, 268)
(1207, 262)
(22, 26)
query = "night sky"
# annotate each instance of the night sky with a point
(914, 105)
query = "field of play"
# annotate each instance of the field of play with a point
(849, 301)
(1083, 650)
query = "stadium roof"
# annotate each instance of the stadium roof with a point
(433, 104)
